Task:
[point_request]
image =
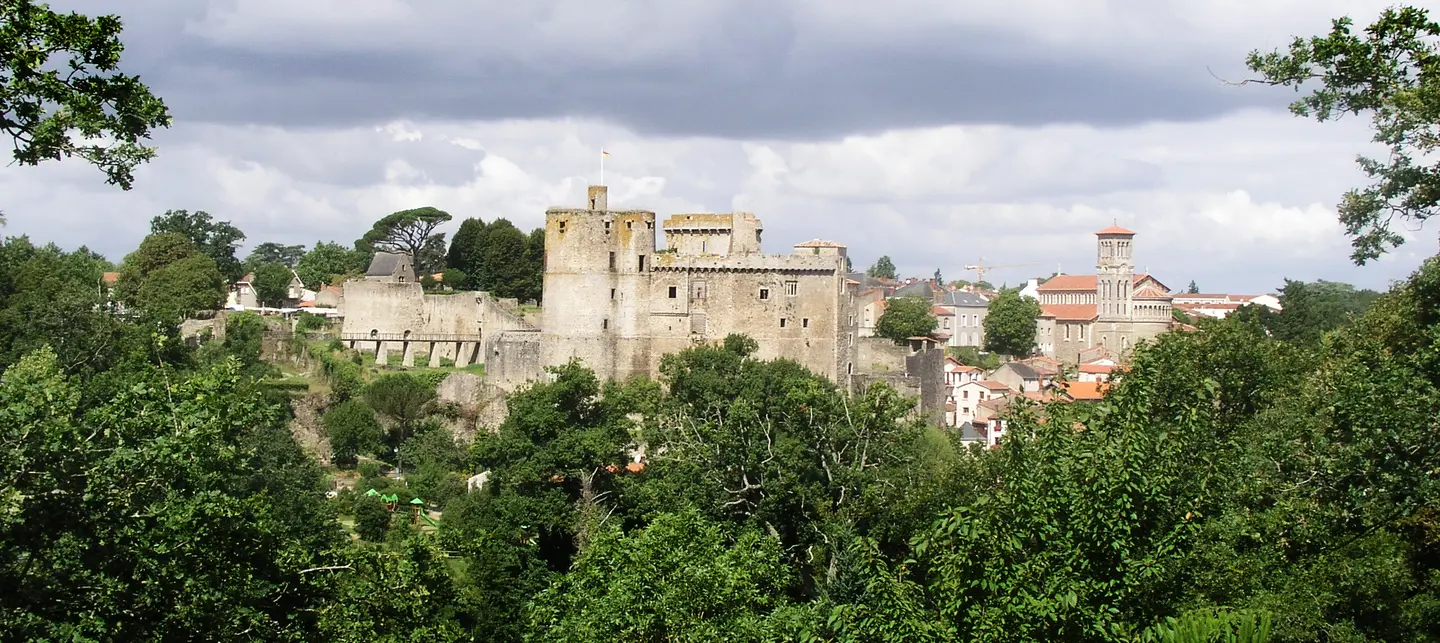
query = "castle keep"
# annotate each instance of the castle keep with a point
(618, 304)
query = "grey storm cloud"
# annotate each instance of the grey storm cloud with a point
(752, 71)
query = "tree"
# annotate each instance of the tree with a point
(884, 268)
(503, 263)
(906, 317)
(690, 580)
(353, 430)
(327, 262)
(533, 284)
(271, 252)
(939, 280)
(1388, 73)
(1193, 289)
(372, 519)
(408, 232)
(466, 250)
(168, 278)
(217, 240)
(47, 102)
(402, 398)
(1010, 324)
(1309, 310)
(272, 283)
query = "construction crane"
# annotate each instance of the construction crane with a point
(980, 268)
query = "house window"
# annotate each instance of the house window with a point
(791, 287)
(1067, 332)
(612, 261)
(964, 395)
(782, 322)
(965, 410)
(642, 263)
(805, 322)
(947, 323)
(764, 294)
(673, 292)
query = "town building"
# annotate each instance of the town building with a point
(1107, 313)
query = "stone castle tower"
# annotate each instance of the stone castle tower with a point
(598, 262)
(1115, 274)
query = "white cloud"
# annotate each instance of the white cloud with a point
(1237, 203)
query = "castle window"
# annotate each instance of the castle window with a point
(702, 245)
(764, 294)
(673, 292)
(629, 225)
(641, 264)
(782, 322)
(562, 227)
(612, 294)
(605, 324)
(607, 227)
(612, 261)
(791, 287)
(649, 225)
(805, 322)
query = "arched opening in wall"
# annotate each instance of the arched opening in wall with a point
(406, 335)
(374, 332)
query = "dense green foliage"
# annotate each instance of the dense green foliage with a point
(1392, 73)
(272, 284)
(271, 252)
(499, 258)
(217, 240)
(167, 279)
(1010, 324)
(1309, 310)
(906, 317)
(61, 95)
(328, 262)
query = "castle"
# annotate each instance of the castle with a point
(1085, 317)
(618, 304)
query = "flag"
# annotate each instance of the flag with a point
(604, 153)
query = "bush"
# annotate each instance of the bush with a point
(311, 322)
(369, 470)
(372, 519)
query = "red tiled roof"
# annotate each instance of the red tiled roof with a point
(1087, 283)
(1151, 292)
(1086, 391)
(110, 278)
(993, 385)
(1115, 229)
(940, 312)
(1101, 369)
(1069, 312)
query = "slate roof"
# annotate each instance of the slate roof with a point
(384, 264)
(962, 299)
(1023, 370)
(920, 288)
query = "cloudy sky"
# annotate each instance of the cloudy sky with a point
(934, 131)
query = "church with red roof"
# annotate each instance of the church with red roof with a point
(1084, 317)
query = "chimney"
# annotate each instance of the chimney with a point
(598, 200)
